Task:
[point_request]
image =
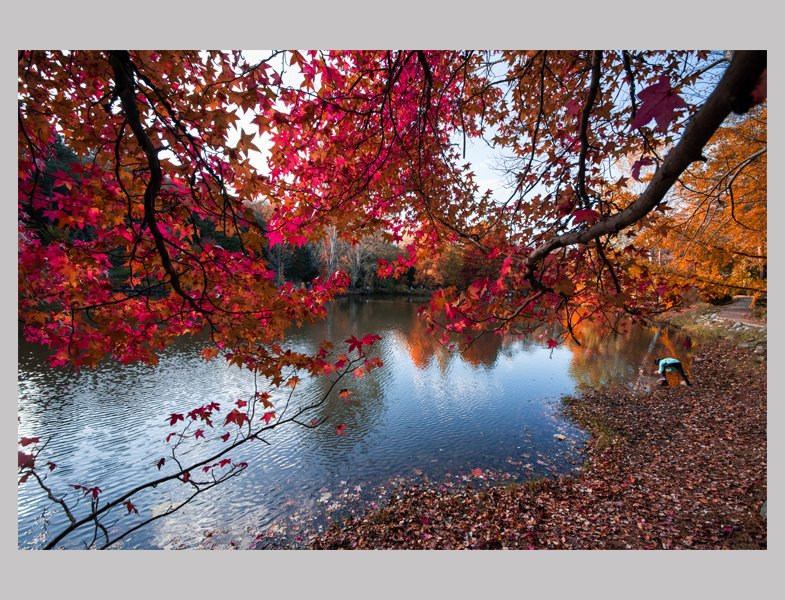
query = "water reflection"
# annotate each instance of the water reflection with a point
(604, 359)
(427, 413)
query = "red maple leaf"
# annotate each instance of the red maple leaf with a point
(27, 441)
(341, 429)
(174, 418)
(26, 460)
(236, 417)
(225, 462)
(241, 403)
(354, 343)
(161, 463)
(268, 416)
(588, 215)
(186, 476)
(94, 491)
(360, 372)
(345, 395)
(198, 434)
(130, 507)
(659, 103)
(552, 343)
(51, 466)
(369, 339)
(225, 437)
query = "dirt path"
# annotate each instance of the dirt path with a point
(740, 311)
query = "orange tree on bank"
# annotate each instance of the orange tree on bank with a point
(716, 236)
(364, 145)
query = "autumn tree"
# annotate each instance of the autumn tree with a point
(716, 236)
(366, 144)
(155, 173)
(357, 258)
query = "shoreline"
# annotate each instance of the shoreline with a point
(673, 468)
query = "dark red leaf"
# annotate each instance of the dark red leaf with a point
(174, 418)
(26, 461)
(636, 166)
(659, 103)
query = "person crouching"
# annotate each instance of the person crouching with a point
(669, 365)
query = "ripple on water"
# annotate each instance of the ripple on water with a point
(425, 411)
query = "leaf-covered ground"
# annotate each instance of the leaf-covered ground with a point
(673, 468)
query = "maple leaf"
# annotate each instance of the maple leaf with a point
(94, 491)
(225, 436)
(369, 339)
(225, 462)
(198, 434)
(354, 343)
(340, 430)
(161, 463)
(359, 372)
(130, 507)
(564, 286)
(477, 472)
(636, 167)
(27, 441)
(268, 416)
(345, 394)
(265, 398)
(186, 476)
(552, 343)
(293, 382)
(51, 466)
(174, 418)
(659, 103)
(241, 403)
(276, 238)
(236, 417)
(590, 216)
(26, 461)
(209, 353)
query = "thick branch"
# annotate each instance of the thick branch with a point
(120, 62)
(738, 82)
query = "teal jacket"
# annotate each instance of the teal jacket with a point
(664, 365)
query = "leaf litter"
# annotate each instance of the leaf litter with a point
(674, 468)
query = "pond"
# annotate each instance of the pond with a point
(426, 415)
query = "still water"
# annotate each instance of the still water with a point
(425, 415)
